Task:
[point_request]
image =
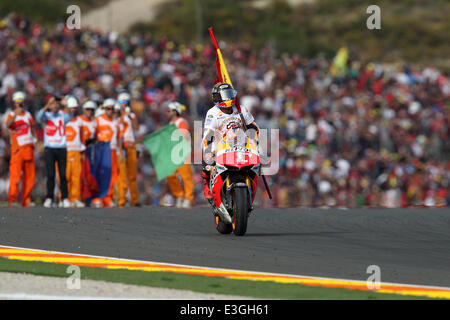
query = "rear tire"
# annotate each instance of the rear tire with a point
(222, 227)
(240, 208)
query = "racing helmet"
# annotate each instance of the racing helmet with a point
(224, 95)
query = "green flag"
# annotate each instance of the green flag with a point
(168, 148)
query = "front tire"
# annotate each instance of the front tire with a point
(240, 208)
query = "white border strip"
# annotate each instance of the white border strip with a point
(27, 296)
(234, 270)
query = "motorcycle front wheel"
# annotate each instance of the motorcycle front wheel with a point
(240, 208)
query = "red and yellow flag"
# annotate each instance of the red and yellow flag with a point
(222, 72)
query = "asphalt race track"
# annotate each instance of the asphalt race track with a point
(411, 246)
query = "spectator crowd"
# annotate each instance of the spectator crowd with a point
(372, 135)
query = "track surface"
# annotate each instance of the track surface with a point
(411, 246)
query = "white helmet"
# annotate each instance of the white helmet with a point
(117, 106)
(175, 105)
(18, 96)
(109, 102)
(124, 96)
(90, 105)
(72, 102)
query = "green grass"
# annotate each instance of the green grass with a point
(257, 289)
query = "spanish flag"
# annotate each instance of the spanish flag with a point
(222, 72)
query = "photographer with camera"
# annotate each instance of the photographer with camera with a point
(54, 120)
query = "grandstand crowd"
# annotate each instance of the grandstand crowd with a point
(373, 135)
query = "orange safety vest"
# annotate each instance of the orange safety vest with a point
(107, 130)
(73, 135)
(128, 132)
(89, 128)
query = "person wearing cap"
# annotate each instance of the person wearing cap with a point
(89, 125)
(88, 119)
(105, 165)
(75, 148)
(184, 198)
(55, 152)
(130, 125)
(23, 138)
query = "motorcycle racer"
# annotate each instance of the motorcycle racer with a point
(222, 116)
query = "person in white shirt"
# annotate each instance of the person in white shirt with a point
(75, 153)
(129, 124)
(54, 120)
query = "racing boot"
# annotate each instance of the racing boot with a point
(206, 191)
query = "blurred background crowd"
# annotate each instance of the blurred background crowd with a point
(351, 134)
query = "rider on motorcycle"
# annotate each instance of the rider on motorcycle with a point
(222, 116)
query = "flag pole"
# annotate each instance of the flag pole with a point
(223, 76)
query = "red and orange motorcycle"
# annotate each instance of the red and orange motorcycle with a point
(234, 180)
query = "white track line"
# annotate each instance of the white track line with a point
(26, 296)
(236, 270)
